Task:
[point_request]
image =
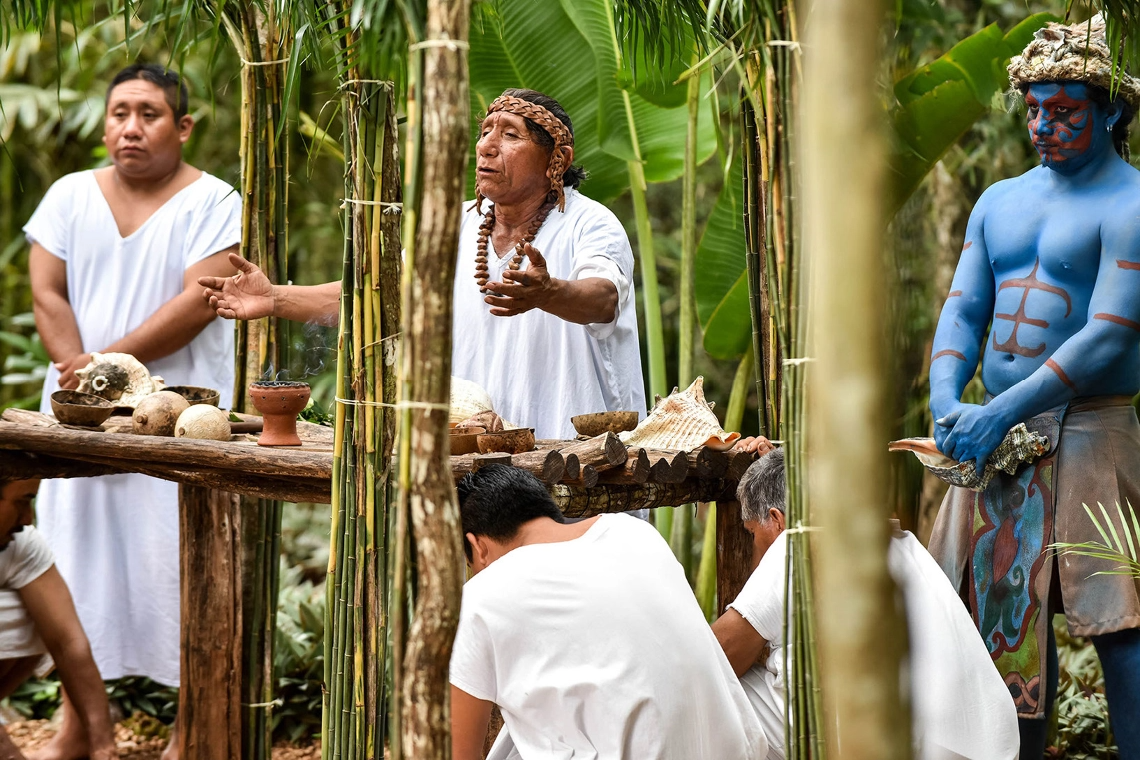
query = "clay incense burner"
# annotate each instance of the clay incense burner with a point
(279, 402)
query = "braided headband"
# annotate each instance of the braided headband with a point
(553, 126)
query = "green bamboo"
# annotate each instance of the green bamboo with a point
(357, 668)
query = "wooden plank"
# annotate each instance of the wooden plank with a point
(587, 502)
(668, 466)
(243, 457)
(733, 552)
(209, 525)
(708, 463)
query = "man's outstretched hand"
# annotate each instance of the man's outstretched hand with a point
(246, 295)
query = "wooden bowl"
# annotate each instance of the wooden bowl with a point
(85, 409)
(465, 440)
(510, 441)
(591, 425)
(195, 395)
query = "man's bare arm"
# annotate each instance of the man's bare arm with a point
(739, 640)
(179, 320)
(250, 295)
(49, 603)
(55, 318)
(469, 720)
(590, 300)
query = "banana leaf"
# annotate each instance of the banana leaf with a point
(935, 106)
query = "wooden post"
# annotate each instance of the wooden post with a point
(733, 554)
(427, 491)
(209, 529)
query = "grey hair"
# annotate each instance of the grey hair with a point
(762, 487)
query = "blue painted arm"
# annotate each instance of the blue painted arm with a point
(962, 325)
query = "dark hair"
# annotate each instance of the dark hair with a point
(574, 175)
(497, 499)
(1100, 96)
(172, 85)
(763, 487)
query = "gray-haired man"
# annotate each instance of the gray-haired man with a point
(961, 706)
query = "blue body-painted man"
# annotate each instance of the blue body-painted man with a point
(1047, 296)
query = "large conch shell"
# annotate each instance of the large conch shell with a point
(681, 422)
(1019, 446)
(120, 378)
(467, 399)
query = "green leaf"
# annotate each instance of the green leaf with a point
(720, 286)
(939, 102)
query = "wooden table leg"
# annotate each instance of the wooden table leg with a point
(733, 553)
(209, 524)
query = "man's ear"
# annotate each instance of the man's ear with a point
(480, 551)
(778, 516)
(1113, 113)
(185, 127)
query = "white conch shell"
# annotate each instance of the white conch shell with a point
(681, 422)
(467, 399)
(139, 380)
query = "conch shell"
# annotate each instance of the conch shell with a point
(1019, 446)
(120, 378)
(467, 399)
(681, 422)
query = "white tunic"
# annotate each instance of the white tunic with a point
(116, 538)
(541, 370)
(596, 648)
(961, 707)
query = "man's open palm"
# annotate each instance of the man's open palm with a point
(246, 295)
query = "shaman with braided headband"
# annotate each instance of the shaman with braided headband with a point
(1046, 297)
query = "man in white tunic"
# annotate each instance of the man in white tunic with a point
(961, 707)
(587, 636)
(116, 254)
(549, 341)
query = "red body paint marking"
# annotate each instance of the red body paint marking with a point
(948, 352)
(954, 294)
(1127, 264)
(968, 244)
(1070, 128)
(1011, 346)
(1118, 320)
(1061, 374)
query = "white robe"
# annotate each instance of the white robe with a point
(116, 538)
(541, 370)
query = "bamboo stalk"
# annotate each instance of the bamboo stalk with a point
(863, 636)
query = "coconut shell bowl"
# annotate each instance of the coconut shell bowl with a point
(279, 402)
(514, 441)
(196, 395)
(82, 409)
(591, 425)
(465, 440)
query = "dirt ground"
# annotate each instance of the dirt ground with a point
(139, 738)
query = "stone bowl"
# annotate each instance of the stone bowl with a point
(195, 394)
(465, 440)
(591, 425)
(514, 441)
(83, 409)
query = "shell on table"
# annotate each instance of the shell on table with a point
(120, 378)
(467, 400)
(681, 421)
(1020, 446)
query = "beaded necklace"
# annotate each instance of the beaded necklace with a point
(485, 230)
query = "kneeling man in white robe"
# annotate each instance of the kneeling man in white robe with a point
(961, 707)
